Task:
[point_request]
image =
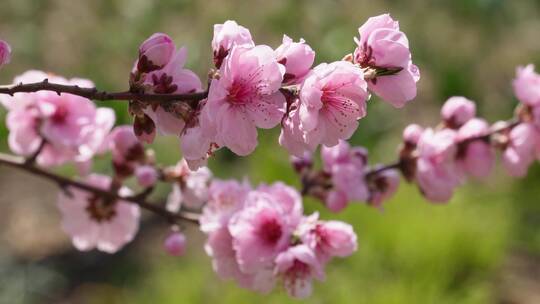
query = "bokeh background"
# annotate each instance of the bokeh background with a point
(482, 247)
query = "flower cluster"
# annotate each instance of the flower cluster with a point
(256, 236)
(438, 159)
(56, 128)
(256, 86)
(345, 178)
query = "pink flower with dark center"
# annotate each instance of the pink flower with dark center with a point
(457, 110)
(245, 97)
(73, 129)
(298, 266)
(297, 57)
(383, 46)
(93, 222)
(226, 36)
(436, 170)
(332, 100)
(260, 231)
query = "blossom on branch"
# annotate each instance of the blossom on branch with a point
(68, 128)
(97, 222)
(383, 47)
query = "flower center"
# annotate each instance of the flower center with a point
(238, 93)
(60, 115)
(100, 210)
(270, 231)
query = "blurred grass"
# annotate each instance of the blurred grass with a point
(413, 252)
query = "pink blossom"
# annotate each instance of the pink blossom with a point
(72, 127)
(224, 199)
(436, 170)
(332, 100)
(382, 45)
(297, 57)
(383, 187)
(346, 167)
(329, 239)
(173, 78)
(198, 141)
(412, 134)
(527, 85)
(292, 137)
(245, 97)
(457, 110)
(95, 223)
(260, 231)
(175, 244)
(477, 158)
(146, 175)
(226, 36)
(191, 189)
(219, 247)
(5, 53)
(520, 150)
(155, 52)
(298, 266)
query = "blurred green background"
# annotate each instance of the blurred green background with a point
(482, 247)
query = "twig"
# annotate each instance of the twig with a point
(95, 94)
(63, 182)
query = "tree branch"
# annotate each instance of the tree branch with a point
(95, 94)
(20, 164)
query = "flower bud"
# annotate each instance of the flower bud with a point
(155, 52)
(146, 176)
(297, 57)
(175, 244)
(412, 134)
(457, 110)
(226, 36)
(5, 53)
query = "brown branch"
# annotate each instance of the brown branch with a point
(20, 164)
(95, 94)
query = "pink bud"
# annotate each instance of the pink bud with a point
(457, 110)
(146, 175)
(226, 36)
(175, 244)
(5, 52)
(297, 57)
(412, 134)
(155, 52)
